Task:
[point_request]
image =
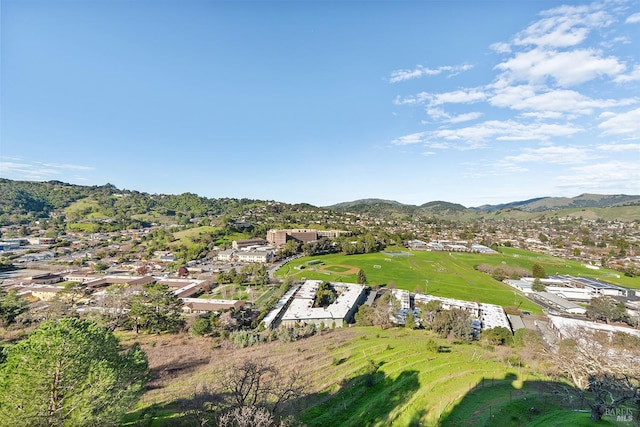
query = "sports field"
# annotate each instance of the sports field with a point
(443, 274)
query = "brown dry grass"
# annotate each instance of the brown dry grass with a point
(181, 364)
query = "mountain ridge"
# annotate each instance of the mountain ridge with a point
(37, 199)
(530, 205)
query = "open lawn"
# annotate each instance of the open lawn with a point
(365, 376)
(187, 236)
(437, 273)
(446, 274)
(82, 205)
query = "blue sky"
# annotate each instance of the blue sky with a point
(471, 102)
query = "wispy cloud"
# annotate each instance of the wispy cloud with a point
(626, 124)
(565, 68)
(38, 171)
(632, 76)
(525, 97)
(440, 115)
(462, 96)
(633, 19)
(564, 26)
(421, 71)
(619, 148)
(547, 79)
(552, 154)
(602, 176)
(509, 130)
(413, 138)
(501, 47)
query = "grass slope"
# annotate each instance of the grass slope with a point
(410, 384)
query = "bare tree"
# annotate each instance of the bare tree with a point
(254, 383)
(597, 364)
(247, 416)
(384, 309)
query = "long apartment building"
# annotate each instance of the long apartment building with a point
(304, 235)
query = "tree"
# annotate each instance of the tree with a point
(428, 312)
(72, 292)
(325, 295)
(261, 277)
(116, 303)
(602, 308)
(364, 316)
(601, 366)
(499, 274)
(454, 323)
(70, 372)
(156, 309)
(362, 277)
(11, 306)
(384, 309)
(537, 285)
(497, 336)
(538, 271)
(100, 266)
(410, 321)
(201, 326)
(252, 383)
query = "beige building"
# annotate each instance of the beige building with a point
(280, 237)
(241, 244)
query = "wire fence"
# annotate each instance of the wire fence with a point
(542, 397)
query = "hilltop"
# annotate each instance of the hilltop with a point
(28, 200)
(592, 206)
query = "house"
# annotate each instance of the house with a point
(560, 303)
(203, 306)
(417, 245)
(46, 279)
(226, 255)
(241, 244)
(567, 327)
(42, 292)
(255, 256)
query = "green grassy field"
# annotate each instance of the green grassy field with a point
(186, 237)
(365, 376)
(445, 274)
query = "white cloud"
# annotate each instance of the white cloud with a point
(421, 71)
(618, 148)
(632, 76)
(37, 171)
(510, 130)
(462, 96)
(68, 166)
(420, 98)
(413, 138)
(613, 176)
(501, 47)
(543, 115)
(551, 154)
(567, 68)
(438, 145)
(460, 118)
(633, 19)
(437, 114)
(440, 115)
(564, 26)
(626, 124)
(524, 97)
